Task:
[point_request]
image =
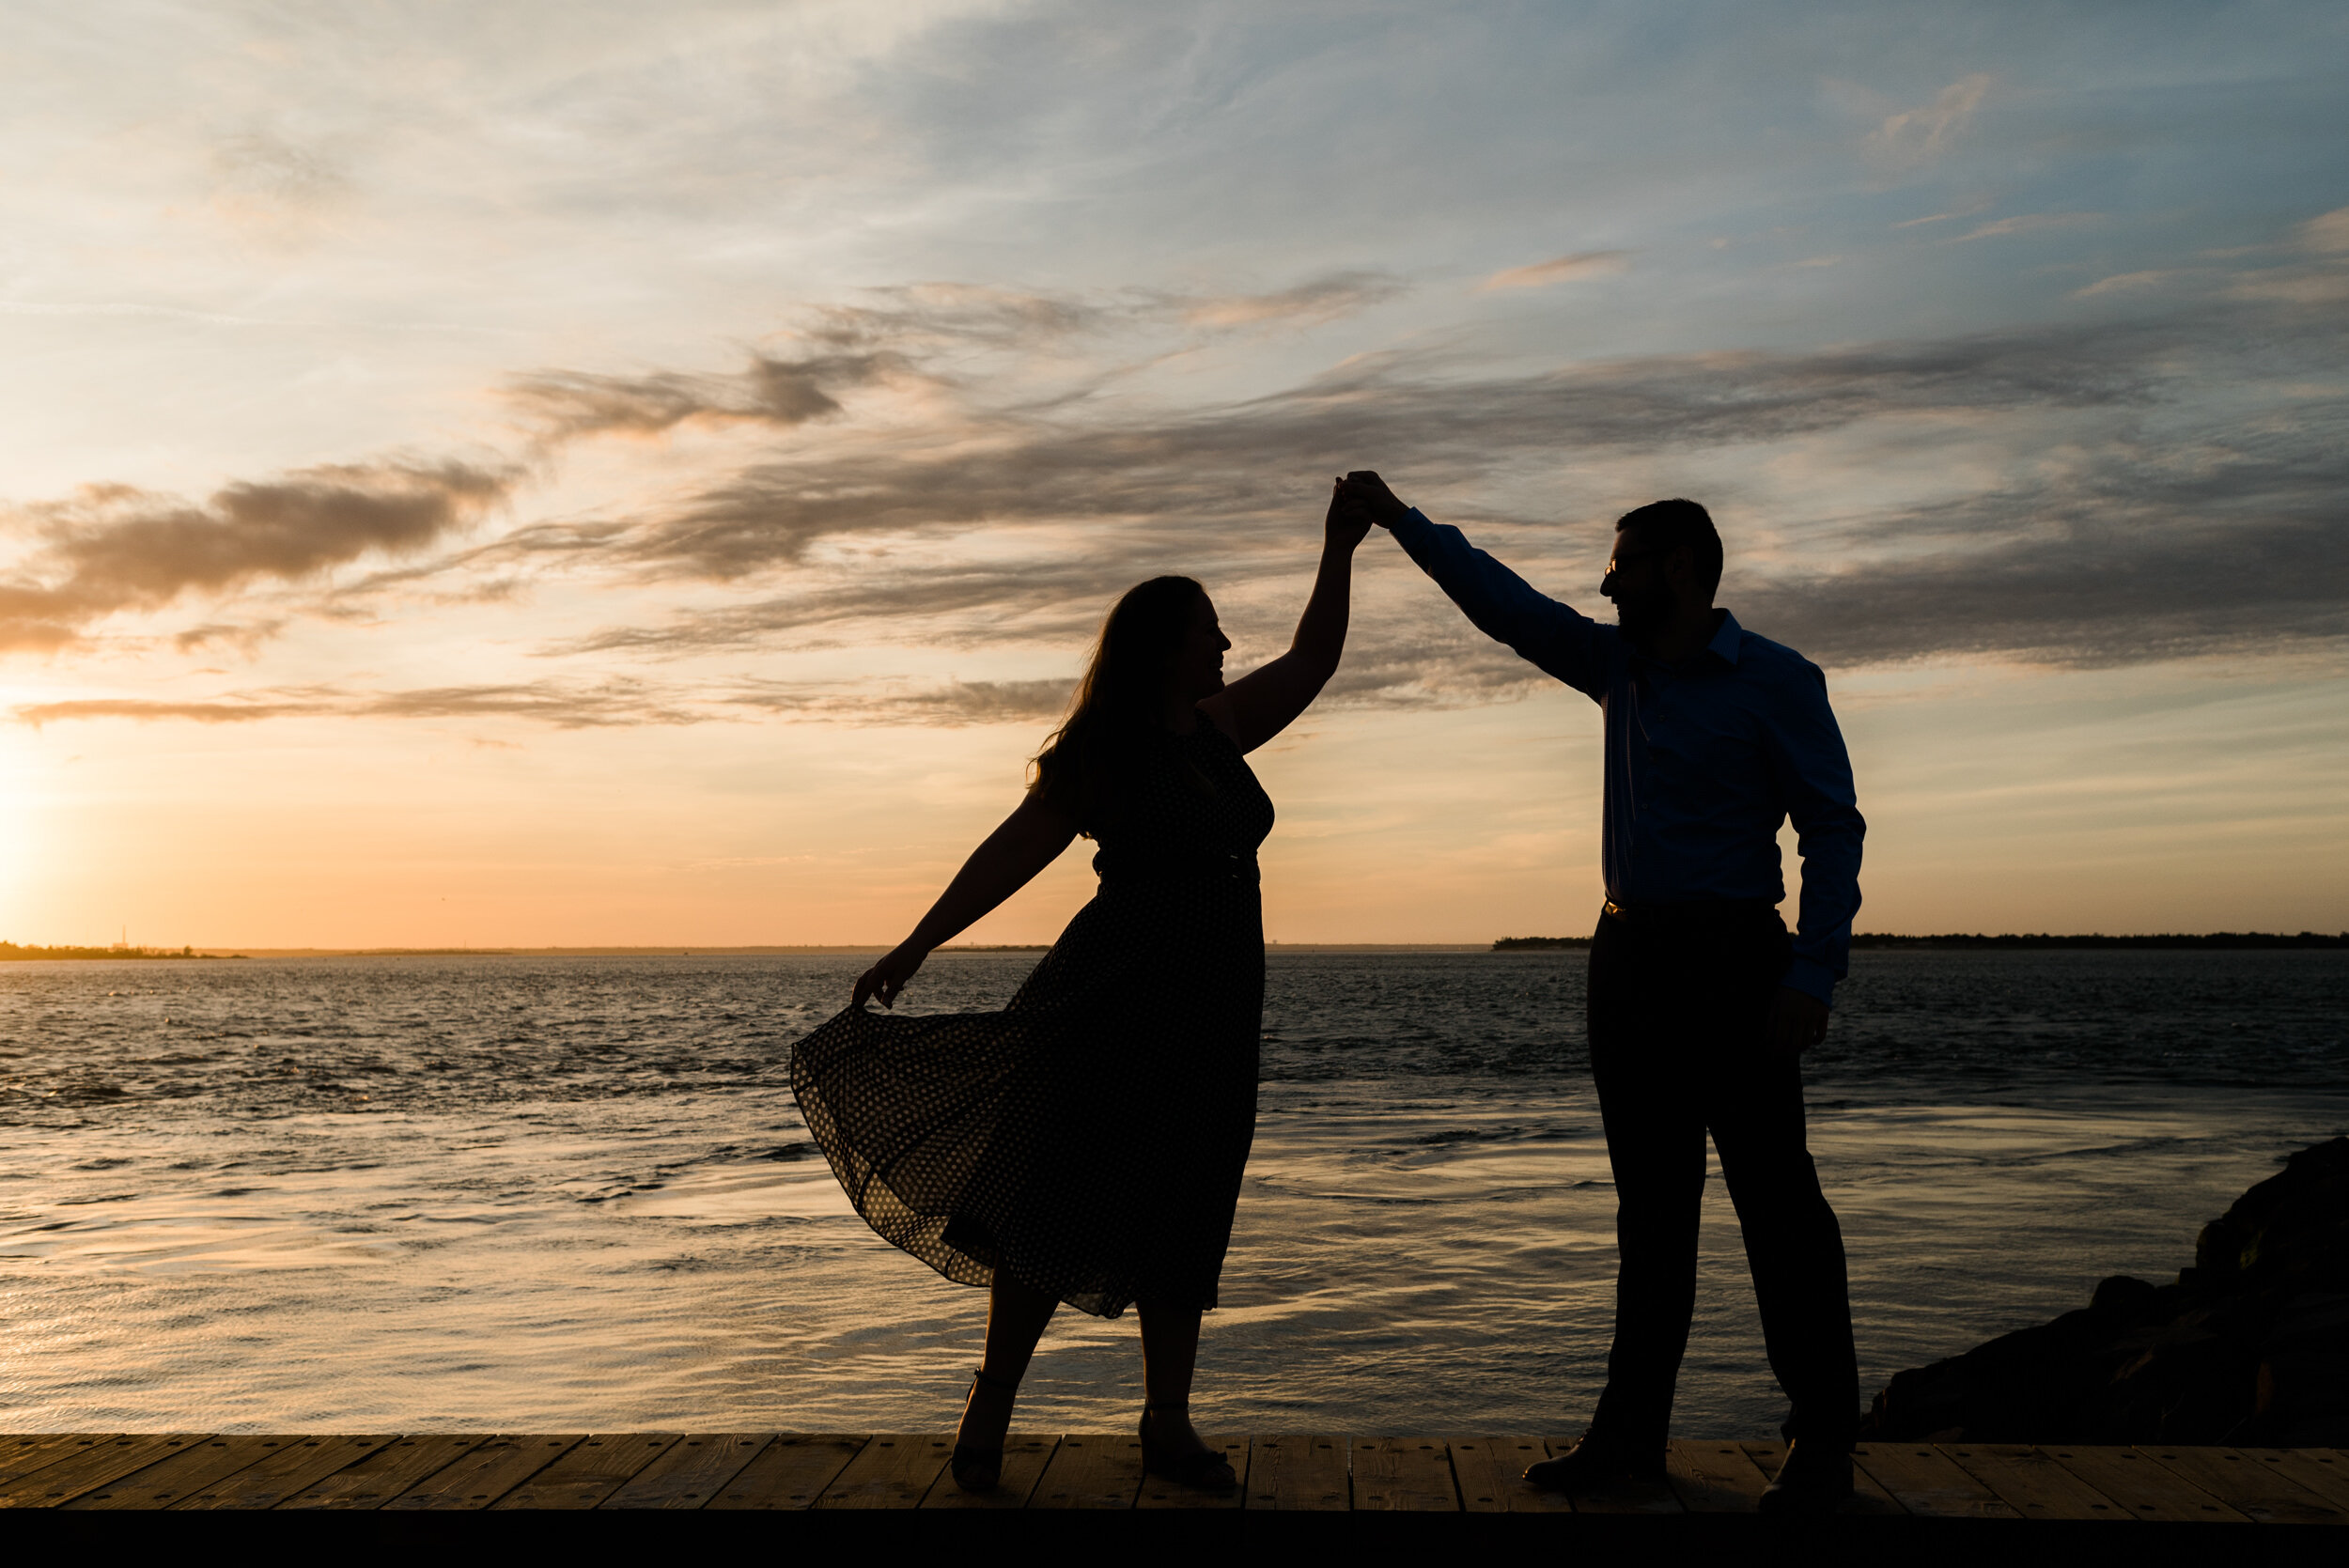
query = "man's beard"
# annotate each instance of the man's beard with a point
(1642, 613)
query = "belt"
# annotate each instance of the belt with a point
(1695, 911)
(1130, 866)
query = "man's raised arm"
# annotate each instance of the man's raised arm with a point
(1552, 636)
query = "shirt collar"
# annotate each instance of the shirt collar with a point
(1727, 639)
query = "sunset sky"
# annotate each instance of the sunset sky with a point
(613, 473)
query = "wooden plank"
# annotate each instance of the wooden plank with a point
(1298, 1475)
(1646, 1495)
(383, 1474)
(893, 1470)
(1159, 1492)
(486, 1474)
(2321, 1470)
(2033, 1484)
(792, 1472)
(2150, 1493)
(694, 1470)
(1928, 1483)
(1091, 1471)
(22, 1453)
(1868, 1499)
(2247, 1485)
(1491, 1476)
(1717, 1477)
(2154, 1484)
(288, 1463)
(86, 1469)
(181, 1475)
(1024, 1459)
(1403, 1475)
(591, 1470)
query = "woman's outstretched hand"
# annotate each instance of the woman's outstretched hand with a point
(1349, 521)
(888, 977)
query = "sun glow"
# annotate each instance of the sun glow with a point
(25, 846)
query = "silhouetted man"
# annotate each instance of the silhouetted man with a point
(1701, 1004)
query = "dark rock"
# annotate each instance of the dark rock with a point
(2250, 1346)
(2302, 1393)
(2218, 1249)
(2125, 1299)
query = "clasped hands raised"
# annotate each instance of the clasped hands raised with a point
(1360, 500)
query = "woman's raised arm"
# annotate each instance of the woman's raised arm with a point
(1007, 859)
(1264, 702)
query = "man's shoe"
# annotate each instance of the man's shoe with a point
(1592, 1464)
(1812, 1482)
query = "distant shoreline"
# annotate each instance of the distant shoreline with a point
(13, 952)
(2210, 941)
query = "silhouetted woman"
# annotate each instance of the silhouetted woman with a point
(1085, 1144)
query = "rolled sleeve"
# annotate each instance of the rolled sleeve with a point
(1811, 978)
(1814, 777)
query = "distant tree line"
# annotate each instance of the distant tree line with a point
(10, 952)
(2207, 941)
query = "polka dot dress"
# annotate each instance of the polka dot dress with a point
(1089, 1138)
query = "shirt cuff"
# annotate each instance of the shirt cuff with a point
(1810, 978)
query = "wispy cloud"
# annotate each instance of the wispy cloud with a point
(275, 187)
(955, 703)
(560, 705)
(1322, 299)
(112, 548)
(771, 390)
(2318, 276)
(899, 334)
(1918, 135)
(1239, 463)
(1213, 491)
(1950, 217)
(247, 638)
(2328, 233)
(2126, 283)
(1558, 269)
(1036, 512)
(149, 711)
(2026, 223)
(2138, 554)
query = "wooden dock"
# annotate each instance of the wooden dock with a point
(1405, 1481)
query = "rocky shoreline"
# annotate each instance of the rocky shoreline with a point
(2249, 1345)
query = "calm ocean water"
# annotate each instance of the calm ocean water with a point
(567, 1194)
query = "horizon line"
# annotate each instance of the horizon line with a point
(36, 952)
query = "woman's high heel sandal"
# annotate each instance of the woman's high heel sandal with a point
(1204, 1469)
(976, 1469)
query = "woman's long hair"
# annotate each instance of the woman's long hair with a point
(1115, 714)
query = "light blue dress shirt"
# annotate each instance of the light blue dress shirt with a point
(1704, 758)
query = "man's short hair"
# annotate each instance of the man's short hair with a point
(1670, 525)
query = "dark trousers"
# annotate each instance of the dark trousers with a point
(1676, 1015)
